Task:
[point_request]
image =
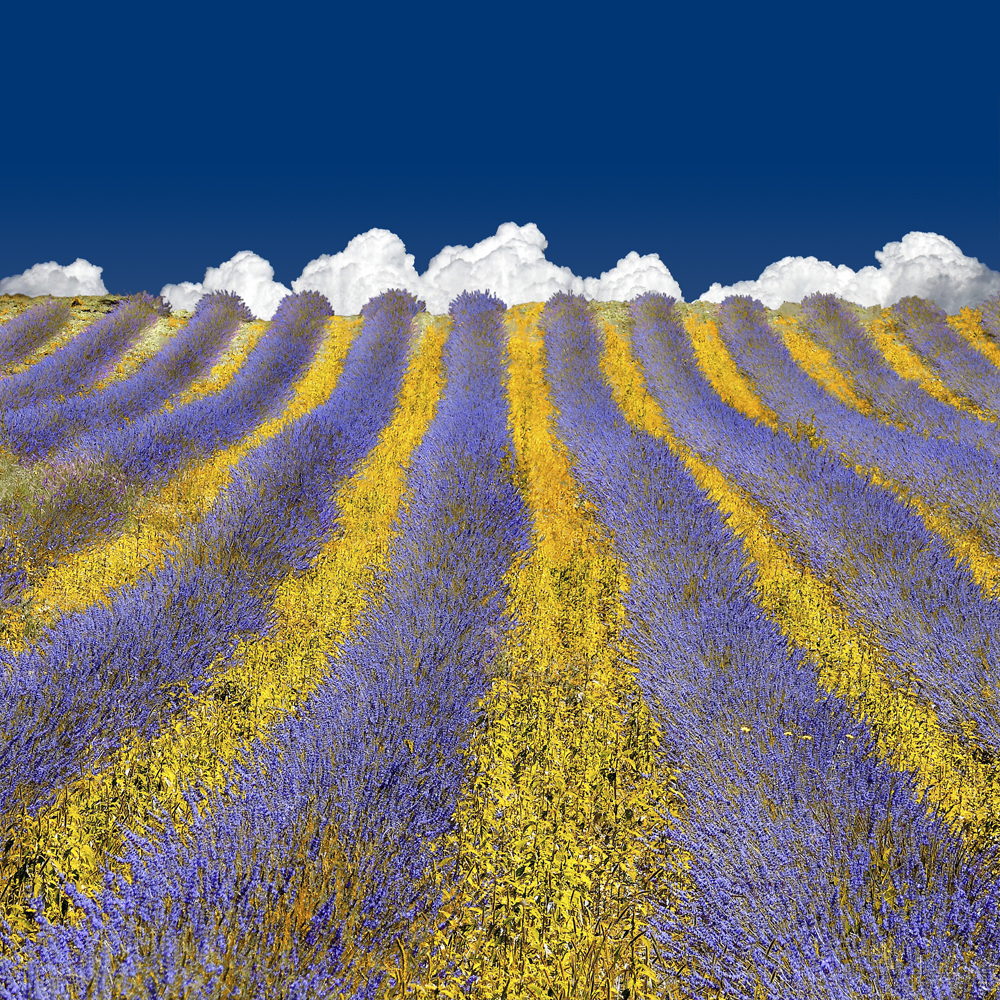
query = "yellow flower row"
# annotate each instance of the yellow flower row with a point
(549, 879)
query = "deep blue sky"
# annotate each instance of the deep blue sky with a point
(159, 140)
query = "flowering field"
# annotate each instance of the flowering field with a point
(566, 650)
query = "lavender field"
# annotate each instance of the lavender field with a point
(574, 649)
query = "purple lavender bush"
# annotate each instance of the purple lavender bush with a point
(27, 332)
(894, 577)
(960, 366)
(895, 399)
(125, 460)
(157, 446)
(963, 481)
(54, 508)
(991, 316)
(66, 701)
(86, 359)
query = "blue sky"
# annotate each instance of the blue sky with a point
(159, 141)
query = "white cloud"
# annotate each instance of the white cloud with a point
(79, 278)
(923, 264)
(633, 275)
(510, 264)
(370, 264)
(250, 276)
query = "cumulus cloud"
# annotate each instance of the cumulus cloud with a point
(79, 278)
(633, 275)
(510, 264)
(250, 276)
(923, 264)
(370, 264)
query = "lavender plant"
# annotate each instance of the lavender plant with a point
(896, 400)
(991, 316)
(28, 331)
(53, 508)
(961, 367)
(963, 481)
(86, 359)
(124, 461)
(153, 448)
(34, 432)
(69, 700)
(291, 480)
(75, 499)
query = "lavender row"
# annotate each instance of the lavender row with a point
(86, 359)
(27, 332)
(155, 447)
(894, 577)
(813, 872)
(34, 432)
(53, 509)
(961, 367)
(990, 309)
(83, 499)
(964, 480)
(65, 702)
(372, 762)
(291, 479)
(891, 397)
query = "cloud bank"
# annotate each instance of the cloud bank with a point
(79, 278)
(512, 265)
(923, 264)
